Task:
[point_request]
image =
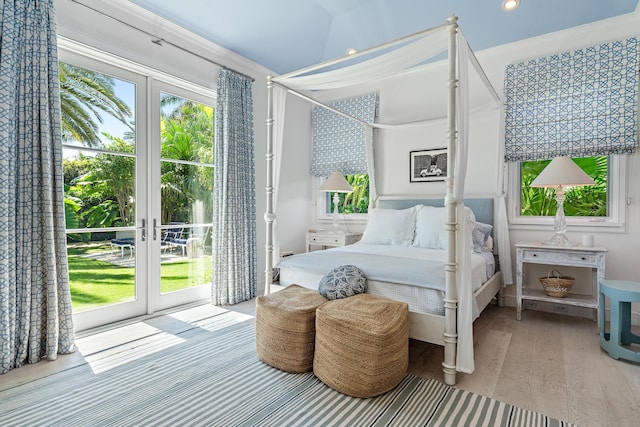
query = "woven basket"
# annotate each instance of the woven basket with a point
(557, 285)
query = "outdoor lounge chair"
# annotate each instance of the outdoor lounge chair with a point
(124, 243)
(171, 236)
(193, 246)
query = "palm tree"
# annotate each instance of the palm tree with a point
(170, 105)
(84, 96)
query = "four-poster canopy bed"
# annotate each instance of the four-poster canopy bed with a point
(453, 328)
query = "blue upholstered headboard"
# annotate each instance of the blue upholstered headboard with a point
(482, 207)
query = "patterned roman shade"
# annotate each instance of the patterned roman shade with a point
(580, 103)
(339, 143)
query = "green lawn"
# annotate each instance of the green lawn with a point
(95, 283)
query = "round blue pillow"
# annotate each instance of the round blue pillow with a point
(342, 282)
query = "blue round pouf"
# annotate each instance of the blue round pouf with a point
(342, 282)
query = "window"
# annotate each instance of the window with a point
(354, 206)
(98, 136)
(356, 202)
(580, 201)
(598, 205)
(341, 144)
(579, 103)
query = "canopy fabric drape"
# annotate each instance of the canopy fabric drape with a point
(371, 168)
(339, 143)
(279, 106)
(464, 355)
(234, 201)
(35, 300)
(580, 103)
(424, 46)
(396, 57)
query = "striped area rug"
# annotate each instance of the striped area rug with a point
(213, 378)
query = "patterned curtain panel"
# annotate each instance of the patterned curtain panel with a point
(580, 103)
(35, 301)
(339, 143)
(234, 210)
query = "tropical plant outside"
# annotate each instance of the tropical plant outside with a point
(187, 135)
(580, 201)
(99, 189)
(358, 200)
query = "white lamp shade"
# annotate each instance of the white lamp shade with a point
(336, 184)
(562, 171)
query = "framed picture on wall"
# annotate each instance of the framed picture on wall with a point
(428, 165)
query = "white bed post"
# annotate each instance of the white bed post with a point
(269, 215)
(450, 334)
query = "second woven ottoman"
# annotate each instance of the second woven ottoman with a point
(362, 344)
(286, 328)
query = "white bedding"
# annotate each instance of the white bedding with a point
(398, 264)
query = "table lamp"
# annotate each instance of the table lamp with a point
(336, 184)
(560, 174)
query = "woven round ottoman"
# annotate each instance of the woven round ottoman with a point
(362, 344)
(286, 328)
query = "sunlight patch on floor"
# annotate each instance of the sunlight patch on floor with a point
(117, 347)
(109, 349)
(220, 322)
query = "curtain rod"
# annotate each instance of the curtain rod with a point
(159, 40)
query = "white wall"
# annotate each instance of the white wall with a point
(83, 25)
(295, 205)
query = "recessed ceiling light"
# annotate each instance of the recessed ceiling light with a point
(351, 51)
(510, 4)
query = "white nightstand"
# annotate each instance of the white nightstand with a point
(327, 239)
(573, 256)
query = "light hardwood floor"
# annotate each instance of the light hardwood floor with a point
(546, 362)
(549, 363)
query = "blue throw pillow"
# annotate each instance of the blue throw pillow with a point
(481, 233)
(342, 282)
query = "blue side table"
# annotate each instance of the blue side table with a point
(621, 293)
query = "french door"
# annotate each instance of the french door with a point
(181, 208)
(138, 167)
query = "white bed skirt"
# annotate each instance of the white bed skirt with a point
(420, 300)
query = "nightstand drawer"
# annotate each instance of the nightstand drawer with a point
(326, 240)
(544, 257)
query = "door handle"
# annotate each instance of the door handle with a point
(155, 229)
(144, 230)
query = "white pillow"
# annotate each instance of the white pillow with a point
(471, 222)
(430, 223)
(390, 227)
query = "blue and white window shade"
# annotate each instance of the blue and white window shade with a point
(580, 103)
(339, 143)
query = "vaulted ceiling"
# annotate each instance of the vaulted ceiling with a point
(286, 35)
